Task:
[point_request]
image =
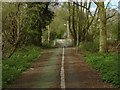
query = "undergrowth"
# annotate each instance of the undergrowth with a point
(47, 45)
(90, 46)
(18, 62)
(108, 64)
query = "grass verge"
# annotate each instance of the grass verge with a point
(19, 62)
(108, 64)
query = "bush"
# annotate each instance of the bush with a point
(46, 45)
(90, 46)
(107, 64)
(19, 62)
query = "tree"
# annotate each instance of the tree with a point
(103, 20)
(57, 26)
(12, 34)
(41, 17)
(23, 21)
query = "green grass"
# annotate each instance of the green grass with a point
(108, 64)
(19, 62)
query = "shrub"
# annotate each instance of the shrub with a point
(89, 46)
(19, 62)
(107, 64)
(46, 45)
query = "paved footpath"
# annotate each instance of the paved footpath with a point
(79, 74)
(60, 68)
(44, 73)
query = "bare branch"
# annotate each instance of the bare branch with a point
(81, 6)
(108, 4)
(95, 12)
(111, 16)
(92, 19)
(95, 2)
(89, 4)
(88, 10)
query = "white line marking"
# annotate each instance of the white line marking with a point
(62, 72)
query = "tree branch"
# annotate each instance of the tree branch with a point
(91, 20)
(88, 10)
(89, 4)
(81, 6)
(111, 16)
(95, 2)
(108, 4)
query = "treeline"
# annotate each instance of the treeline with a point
(91, 26)
(30, 23)
(23, 24)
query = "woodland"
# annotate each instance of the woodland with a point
(31, 27)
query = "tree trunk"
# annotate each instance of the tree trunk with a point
(48, 33)
(68, 34)
(18, 31)
(73, 24)
(103, 34)
(77, 12)
(40, 38)
(70, 23)
(13, 49)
